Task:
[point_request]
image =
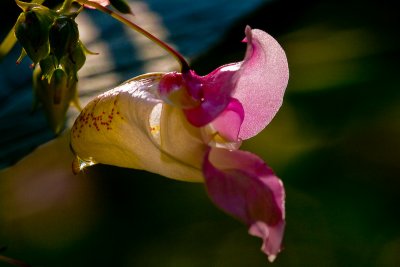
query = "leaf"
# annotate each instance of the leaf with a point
(7, 44)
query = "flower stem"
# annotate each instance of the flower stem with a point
(13, 261)
(65, 6)
(184, 65)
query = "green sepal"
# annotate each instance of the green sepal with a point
(87, 51)
(21, 56)
(48, 65)
(25, 5)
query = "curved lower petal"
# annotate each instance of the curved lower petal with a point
(241, 184)
(127, 127)
(263, 78)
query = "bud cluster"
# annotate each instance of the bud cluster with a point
(51, 40)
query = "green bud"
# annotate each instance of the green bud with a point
(55, 96)
(32, 31)
(63, 36)
(121, 6)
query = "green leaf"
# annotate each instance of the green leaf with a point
(7, 44)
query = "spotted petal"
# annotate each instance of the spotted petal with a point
(130, 127)
(242, 185)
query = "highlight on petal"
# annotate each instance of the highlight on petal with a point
(242, 185)
(130, 127)
(262, 81)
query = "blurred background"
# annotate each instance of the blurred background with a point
(334, 143)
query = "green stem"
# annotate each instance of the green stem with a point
(65, 6)
(184, 65)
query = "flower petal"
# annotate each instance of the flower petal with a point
(263, 78)
(127, 127)
(241, 184)
(228, 123)
(213, 91)
(100, 2)
(224, 130)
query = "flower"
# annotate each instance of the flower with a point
(190, 127)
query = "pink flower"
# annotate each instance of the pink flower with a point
(190, 127)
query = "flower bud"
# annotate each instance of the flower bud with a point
(63, 36)
(55, 96)
(32, 31)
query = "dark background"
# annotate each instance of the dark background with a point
(334, 143)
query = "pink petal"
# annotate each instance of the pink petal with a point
(242, 185)
(263, 78)
(213, 91)
(100, 2)
(228, 123)
(173, 90)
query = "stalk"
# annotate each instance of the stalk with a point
(13, 261)
(184, 65)
(65, 6)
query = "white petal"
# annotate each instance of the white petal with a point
(130, 126)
